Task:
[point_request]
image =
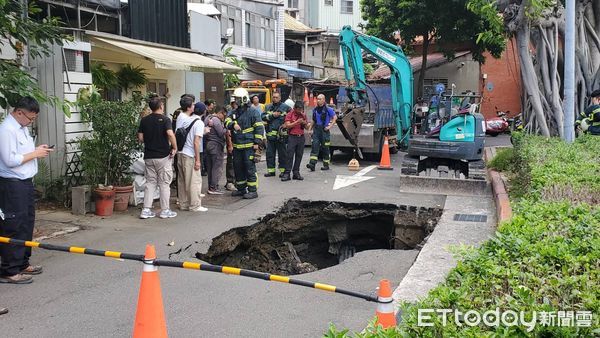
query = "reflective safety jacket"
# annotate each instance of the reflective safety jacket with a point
(273, 123)
(251, 125)
(592, 113)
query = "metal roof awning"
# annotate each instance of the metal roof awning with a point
(292, 71)
(204, 9)
(167, 58)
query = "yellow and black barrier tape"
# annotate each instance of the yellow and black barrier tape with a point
(191, 266)
(264, 276)
(73, 249)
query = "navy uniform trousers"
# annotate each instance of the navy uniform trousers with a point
(18, 206)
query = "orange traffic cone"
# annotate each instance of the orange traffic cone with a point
(385, 308)
(385, 163)
(306, 96)
(150, 315)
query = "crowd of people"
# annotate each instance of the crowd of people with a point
(202, 136)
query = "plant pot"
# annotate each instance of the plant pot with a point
(105, 201)
(122, 195)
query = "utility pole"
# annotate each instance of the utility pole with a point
(569, 102)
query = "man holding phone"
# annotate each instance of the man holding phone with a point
(18, 166)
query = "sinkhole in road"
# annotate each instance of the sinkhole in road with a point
(305, 236)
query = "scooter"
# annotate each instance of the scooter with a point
(497, 125)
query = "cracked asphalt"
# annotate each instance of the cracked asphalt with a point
(96, 297)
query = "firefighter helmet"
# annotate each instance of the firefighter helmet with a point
(241, 96)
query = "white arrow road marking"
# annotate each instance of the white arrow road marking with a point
(342, 181)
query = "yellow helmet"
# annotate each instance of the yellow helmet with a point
(241, 96)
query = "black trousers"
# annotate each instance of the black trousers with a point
(295, 150)
(245, 169)
(229, 172)
(18, 206)
(274, 147)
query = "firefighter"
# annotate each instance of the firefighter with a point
(589, 120)
(274, 117)
(247, 130)
(323, 118)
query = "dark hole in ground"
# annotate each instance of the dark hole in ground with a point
(305, 236)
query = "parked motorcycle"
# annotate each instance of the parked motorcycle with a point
(497, 125)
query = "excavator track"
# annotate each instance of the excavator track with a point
(477, 170)
(410, 166)
(443, 168)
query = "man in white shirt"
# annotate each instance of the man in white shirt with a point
(18, 165)
(189, 178)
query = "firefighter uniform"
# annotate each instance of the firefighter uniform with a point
(591, 115)
(250, 134)
(276, 140)
(321, 138)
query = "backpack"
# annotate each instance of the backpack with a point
(181, 135)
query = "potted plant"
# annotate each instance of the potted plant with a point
(107, 154)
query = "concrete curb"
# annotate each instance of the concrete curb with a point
(503, 209)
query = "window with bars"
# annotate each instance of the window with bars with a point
(347, 6)
(259, 31)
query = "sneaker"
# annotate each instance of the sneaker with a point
(3, 310)
(198, 208)
(184, 208)
(168, 214)
(311, 167)
(238, 193)
(215, 192)
(251, 195)
(298, 177)
(147, 213)
(16, 279)
(230, 186)
(269, 174)
(32, 270)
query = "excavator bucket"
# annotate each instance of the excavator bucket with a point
(350, 122)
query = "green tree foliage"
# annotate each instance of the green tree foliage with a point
(35, 37)
(450, 23)
(232, 80)
(107, 154)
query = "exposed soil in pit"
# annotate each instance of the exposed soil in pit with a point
(305, 236)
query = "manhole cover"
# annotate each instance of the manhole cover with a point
(304, 236)
(470, 218)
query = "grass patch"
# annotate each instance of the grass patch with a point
(545, 259)
(503, 160)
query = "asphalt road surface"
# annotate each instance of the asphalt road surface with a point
(90, 296)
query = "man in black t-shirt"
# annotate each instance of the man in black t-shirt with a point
(156, 132)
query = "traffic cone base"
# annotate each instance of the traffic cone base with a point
(385, 163)
(150, 314)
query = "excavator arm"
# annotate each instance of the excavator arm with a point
(350, 120)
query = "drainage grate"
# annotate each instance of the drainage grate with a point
(470, 218)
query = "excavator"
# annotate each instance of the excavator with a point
(454, 151)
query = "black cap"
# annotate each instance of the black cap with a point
(595, 93)
(299, 104)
